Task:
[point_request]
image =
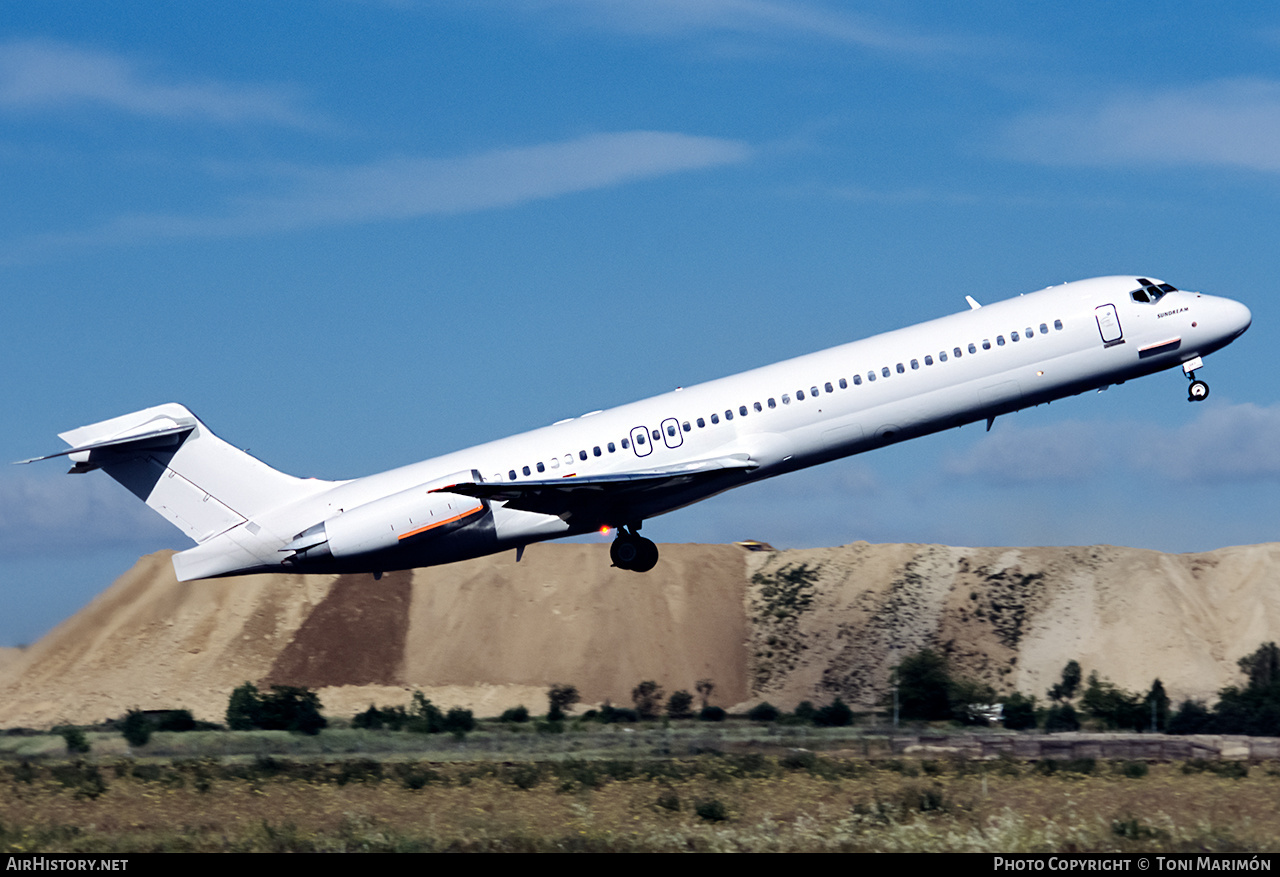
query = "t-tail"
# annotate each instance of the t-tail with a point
(171, 461)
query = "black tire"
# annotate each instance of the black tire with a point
(1198, 391)
(648, 555)
(624, 552)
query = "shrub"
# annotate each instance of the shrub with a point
(459, 721)
(610, 714)
(74, 738)
(924, 686)
(712, 714)
(680, 705)
(286, 708)
(244, 710)
(647, 696)
(712, 811)
(515, 714)
(1192, 717)
(805, 711)
(835, 715)
(136, 728)
(764, 712)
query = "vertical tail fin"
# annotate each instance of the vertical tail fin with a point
(173, 463)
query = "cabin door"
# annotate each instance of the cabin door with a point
(1109, 325)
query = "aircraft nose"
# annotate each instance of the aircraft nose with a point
(1237, 317)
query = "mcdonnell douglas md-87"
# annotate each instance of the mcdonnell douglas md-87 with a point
(614, 469)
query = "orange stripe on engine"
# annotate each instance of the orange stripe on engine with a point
(479, 508)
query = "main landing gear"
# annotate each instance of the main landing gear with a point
(1199, 390)
(632, 551)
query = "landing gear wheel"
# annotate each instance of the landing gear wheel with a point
(633, 552)
(624, 551)
(1198, 391)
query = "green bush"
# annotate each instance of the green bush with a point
(764, 712)
(712, 714)
(286, 708)
(77, 743)
(680, 705)
(834, 715)
(136, 728)
(647, 696)
(515, 714)
(560, 698)
(1019, 712)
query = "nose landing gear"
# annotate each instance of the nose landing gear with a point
(632, 551)
(1199, 390)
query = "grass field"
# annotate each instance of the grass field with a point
(798, 801)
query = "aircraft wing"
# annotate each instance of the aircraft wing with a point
(572, 495)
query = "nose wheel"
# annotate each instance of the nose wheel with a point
(633, 552)
(1199, 390)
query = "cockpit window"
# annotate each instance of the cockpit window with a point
(1149, 292)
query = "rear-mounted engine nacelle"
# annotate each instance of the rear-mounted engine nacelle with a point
(384, 523)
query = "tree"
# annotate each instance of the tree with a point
(1262, 667)
(560, 698)
(1061, 717)
(1066, 689)
(924, 686)
(1019, 712)
(1111, 705)
(647, 696)
(1157, 699)
(245, 708)
(680, 705)
(705, 687)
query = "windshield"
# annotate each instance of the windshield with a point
(1150, 292)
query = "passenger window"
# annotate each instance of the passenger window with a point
(884, 372)
(512, 473)
(901, 369)
(542, 468)
(771, 403)
(657, 434)
(1000, 340)
(827, 387)
(928, 360)
(857, 380)
(813, 391)
(582, 455)
(871, 376)
(972, 349)
(1057, 324)
(715, 418)
(568, 459)
(786, 400)
(758, 406)
(1044, 330)
(1029, 332)
(526, 471)
(701, 423)
(612, 448)
(986, 344)
(1013, 336)
(915, 364)
(555, 463)
(728, 415)
(942, 355)
(742, 409)
(686, 426)
(639, 438)
(625, 444)
(596, 451)
(844, 385)
(799, 395)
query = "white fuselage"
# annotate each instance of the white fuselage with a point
(966, 367)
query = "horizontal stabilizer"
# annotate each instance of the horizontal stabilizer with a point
(160, 433)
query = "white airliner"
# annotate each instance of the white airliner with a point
(614, 469)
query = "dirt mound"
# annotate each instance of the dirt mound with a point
(784, 626)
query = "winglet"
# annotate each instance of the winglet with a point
(972, 303)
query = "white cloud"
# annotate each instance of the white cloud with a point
(1228, 123)
(674, 18)
(70, 515)
(38, 75)
(1223, 443)
(405, 188)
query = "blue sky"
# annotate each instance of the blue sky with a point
(353, 235)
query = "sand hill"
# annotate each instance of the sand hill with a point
(781, 626)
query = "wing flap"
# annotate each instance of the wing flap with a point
(572, 494)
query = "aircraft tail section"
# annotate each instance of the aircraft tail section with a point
(171, 461)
